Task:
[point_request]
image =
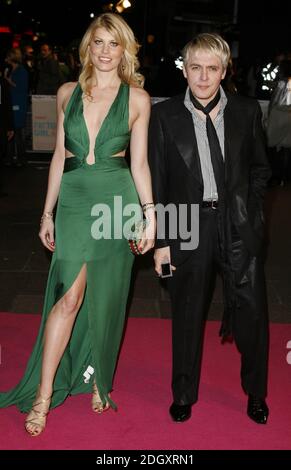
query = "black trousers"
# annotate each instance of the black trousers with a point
(191, 289)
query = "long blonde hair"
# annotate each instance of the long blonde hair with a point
(123, 34)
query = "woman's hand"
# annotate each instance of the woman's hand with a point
(46, 233)
(148, 237)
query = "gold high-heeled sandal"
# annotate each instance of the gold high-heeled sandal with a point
(97, 405)
(38, 417)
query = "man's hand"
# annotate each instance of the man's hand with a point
(162, 254)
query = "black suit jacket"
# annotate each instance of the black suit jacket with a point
(176, 171)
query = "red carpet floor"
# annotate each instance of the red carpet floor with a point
(142, 392)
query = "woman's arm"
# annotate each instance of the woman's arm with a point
(140, 107)
(46, 233)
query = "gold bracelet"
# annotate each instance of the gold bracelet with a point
(46, 215)
(147, 206)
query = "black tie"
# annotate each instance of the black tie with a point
(224, 225)
(214, 146)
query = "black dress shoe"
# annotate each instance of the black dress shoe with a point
(180, 413)
(257, 409)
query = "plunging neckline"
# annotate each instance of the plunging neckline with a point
(100, 128)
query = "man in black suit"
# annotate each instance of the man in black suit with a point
(206, 148)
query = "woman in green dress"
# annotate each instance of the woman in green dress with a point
(83, 316)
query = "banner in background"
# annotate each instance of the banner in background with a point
(44, 122)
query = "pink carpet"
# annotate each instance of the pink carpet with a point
(142, 392)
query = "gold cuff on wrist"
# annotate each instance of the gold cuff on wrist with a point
(148, 205)
(46, 215)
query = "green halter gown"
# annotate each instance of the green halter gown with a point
(94, 344)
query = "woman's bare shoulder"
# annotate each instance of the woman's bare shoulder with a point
(139, 93)
(64, 93)
(139, 97)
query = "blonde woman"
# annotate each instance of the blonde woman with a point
(83, 317)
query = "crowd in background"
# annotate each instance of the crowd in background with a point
(26, 71)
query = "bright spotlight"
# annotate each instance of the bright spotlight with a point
(122, 4)
(179, 63)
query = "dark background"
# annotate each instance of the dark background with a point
(260, 27)
(256, 31)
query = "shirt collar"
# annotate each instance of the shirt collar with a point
(189, 105)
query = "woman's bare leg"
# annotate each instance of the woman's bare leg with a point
(56, 337)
